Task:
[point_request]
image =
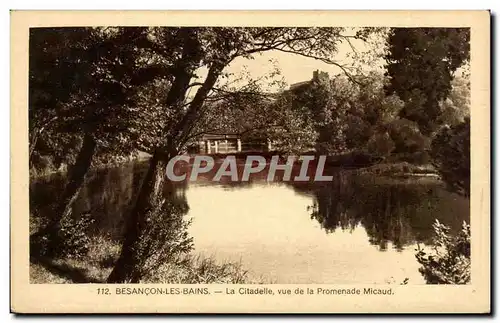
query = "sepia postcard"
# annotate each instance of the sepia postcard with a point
(250, 162)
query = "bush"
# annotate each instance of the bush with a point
(165, 238)
(450, 152)
(200, 270)
(380, 144)
(73, 236)
(450, 261)
(67, 240)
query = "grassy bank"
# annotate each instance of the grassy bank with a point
(402, 169)
(96, 164)
(103, 252)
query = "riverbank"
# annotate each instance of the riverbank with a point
(113, 162)
(345, 160)
(98, 264)
(402, 170)
(361, 163)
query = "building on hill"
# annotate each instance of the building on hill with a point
(317, 76)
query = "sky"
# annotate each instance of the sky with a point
(296, 68)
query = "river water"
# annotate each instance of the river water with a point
(355, 229)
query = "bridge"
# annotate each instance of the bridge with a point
(228, 143)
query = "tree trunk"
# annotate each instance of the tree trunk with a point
(76, 177)
(36, 133)
(153, 190)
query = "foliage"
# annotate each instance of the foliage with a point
(371, 116)
(242, 107)
(380, 144)
(318, 102)
(211, 48)
(450, 152)
(73, 236)
(165, 238)
(200, 270)
(84, 80)
(257, 115)
(121, 79)
(410, 144)
(103, 251)
(207, 270)
(294, 132)
(348, 113)
(449, 263)
(353, 112)
(151, 115)
(54, 75)
(456, 107)
(71, 240)
(130, 88)
(421, 63)
(398, 169)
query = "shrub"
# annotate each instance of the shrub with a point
(165, 238)
(450, 152)
(449, 263)
(67, 240)
(380, 145)
(74, 240)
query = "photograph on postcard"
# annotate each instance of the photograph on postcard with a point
(326, 155)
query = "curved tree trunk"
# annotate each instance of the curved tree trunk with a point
(76, 178)
(77, 175)
(152, 191)
(128, 266)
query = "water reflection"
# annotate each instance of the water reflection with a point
(349, 230)
(107, 195)
(391, 211)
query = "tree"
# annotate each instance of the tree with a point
(82, 82)
(450, 152)
(259, 115)
(243, 107)
(409, 143)
(450, 147)
(449, 263)
(348, 113)
(325, 108)
(421, 63)
(457, 106)
(370, 116)
(213, 49)
(54, 77)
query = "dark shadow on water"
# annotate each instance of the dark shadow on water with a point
(392, 212)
